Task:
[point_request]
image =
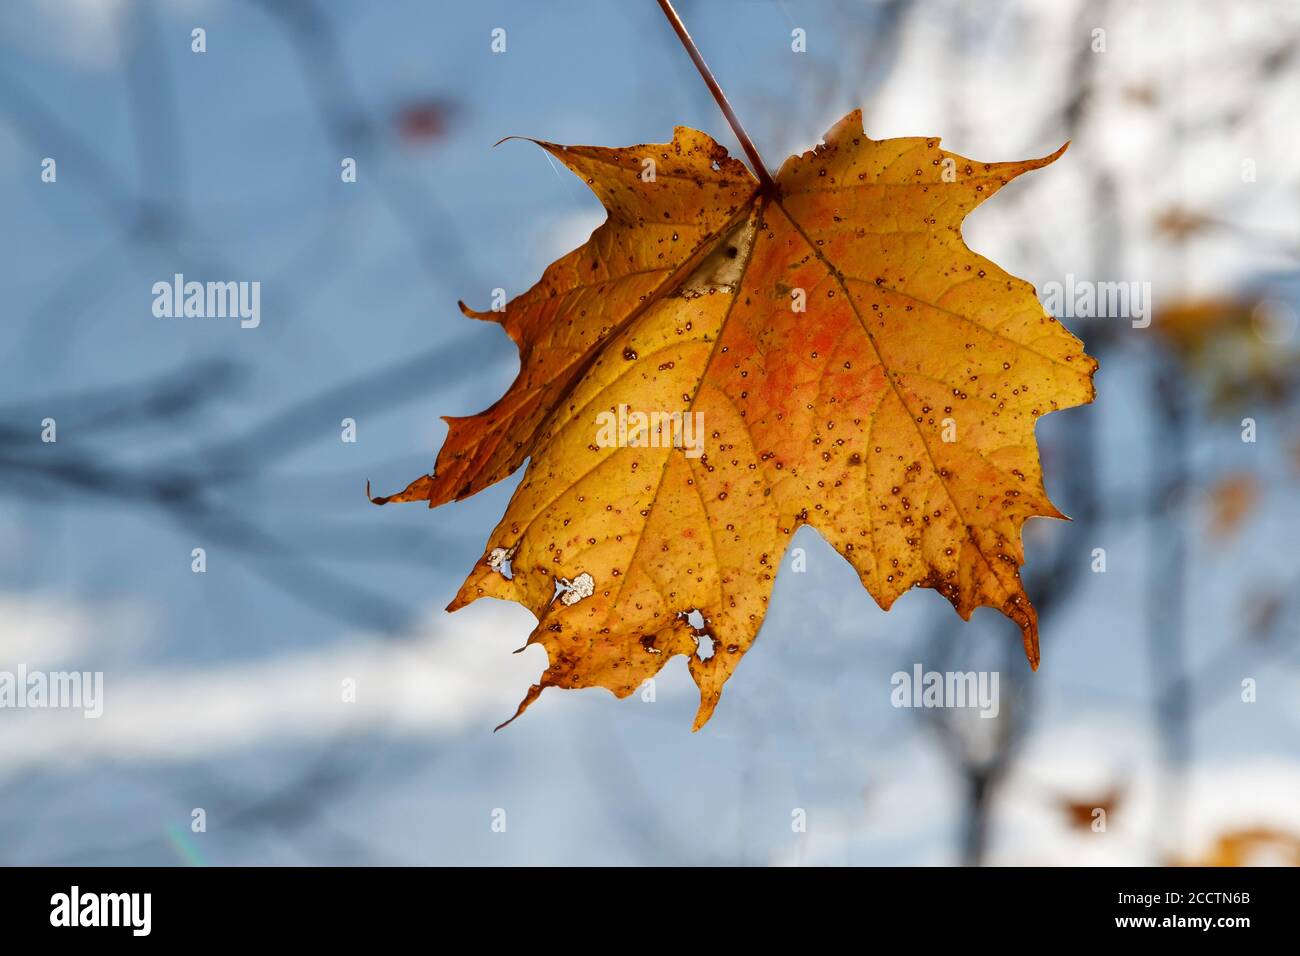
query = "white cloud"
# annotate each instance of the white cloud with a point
(454, 671)
(42, 632)
(86, 33)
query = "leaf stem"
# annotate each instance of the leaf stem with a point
(755, 160)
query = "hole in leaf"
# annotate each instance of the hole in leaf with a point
(499, 561)
(571, 592)
(703, 639)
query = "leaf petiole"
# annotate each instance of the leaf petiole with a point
(755, 160)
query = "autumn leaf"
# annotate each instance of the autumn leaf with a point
(850, 363)
(1081, 814)
(423, 121)
(1231, 501)
(1179, 224)
(1227, 345)
(1259, 846)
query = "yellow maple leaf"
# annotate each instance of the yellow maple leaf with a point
(726, 359)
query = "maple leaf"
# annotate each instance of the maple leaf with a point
(855, 367)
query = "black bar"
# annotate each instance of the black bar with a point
(332, 906)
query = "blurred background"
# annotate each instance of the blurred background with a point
(1169, 696)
